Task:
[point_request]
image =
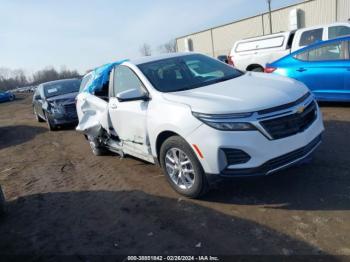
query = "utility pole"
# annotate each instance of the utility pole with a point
(270, 15)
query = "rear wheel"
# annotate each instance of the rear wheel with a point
(182, 168)
(258, 69)
(12, 97)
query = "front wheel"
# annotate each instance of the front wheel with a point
(182, 168)
(96, 147)
(37, 117)
(2, 203)
(50, 124)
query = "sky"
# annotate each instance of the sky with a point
(83, 34)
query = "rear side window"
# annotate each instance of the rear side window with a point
(334, 51)
(304, 56)
(337, 31)
(328, 52)
(311, 36)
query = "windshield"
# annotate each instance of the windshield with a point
(61, 88)
(187, 72)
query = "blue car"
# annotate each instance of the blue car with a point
(323, 67)
(6, 96)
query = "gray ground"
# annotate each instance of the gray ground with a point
(63, 200)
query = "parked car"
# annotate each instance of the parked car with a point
(200, 119)
(223, 58)
(254, 53)
(323, 67)
(6, 96)
(54, 102)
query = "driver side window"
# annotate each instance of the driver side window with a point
(125, 79)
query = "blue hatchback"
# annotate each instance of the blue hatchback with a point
(323, 67)
(6, 96)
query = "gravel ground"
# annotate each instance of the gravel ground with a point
(62, 200)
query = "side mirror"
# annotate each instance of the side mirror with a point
(132, 95)
(37, 97)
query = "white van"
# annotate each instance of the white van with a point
(254, 53)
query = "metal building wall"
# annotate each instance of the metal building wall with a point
(343, 10)
(219, 40)
(223, 36)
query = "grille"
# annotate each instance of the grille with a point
(235, 156)
(285, 126)
(290, 157)
(70, 110)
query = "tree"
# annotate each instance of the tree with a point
(10, 79)
(145, 50)
(169, 47)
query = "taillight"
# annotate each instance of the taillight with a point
(270, 69)
(230, 60)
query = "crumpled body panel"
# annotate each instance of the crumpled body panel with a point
(92, 113)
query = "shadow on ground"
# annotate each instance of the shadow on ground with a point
(132, 222)
(15, 135)
(323, 184)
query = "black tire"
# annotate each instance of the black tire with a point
(200, 186)
(96, 147)
(2, 203)
(258, 69)
(37, 117)
(11, 98)
(50, 124)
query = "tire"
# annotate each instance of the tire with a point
(50, 125)
(37, 117)
(258, 69)
(11, 98)
(190, 184)
(96, 147)
(2, 203)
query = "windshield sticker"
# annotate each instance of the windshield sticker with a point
(52, 90)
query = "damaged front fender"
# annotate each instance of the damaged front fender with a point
(93, 114)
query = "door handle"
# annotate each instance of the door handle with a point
(301, 70)
(114, 105)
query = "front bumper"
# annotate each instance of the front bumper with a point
(266, 156)
(279, 163)
(62, 119)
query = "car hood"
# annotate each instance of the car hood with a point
(248, 93)
(63, 99)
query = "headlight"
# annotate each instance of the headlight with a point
(228, 122)
(56, 109)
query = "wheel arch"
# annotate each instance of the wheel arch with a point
(164, 135)
(253, 66)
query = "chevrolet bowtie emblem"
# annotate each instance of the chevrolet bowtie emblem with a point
(301, 109)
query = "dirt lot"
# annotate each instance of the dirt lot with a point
(63, 200)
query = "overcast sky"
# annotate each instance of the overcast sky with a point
(83, 34)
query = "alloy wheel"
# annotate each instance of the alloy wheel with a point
(179, 168)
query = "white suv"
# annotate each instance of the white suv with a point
(200, 118)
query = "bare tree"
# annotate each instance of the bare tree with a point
(145, 50)
(10, 79)
(169, 47)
